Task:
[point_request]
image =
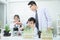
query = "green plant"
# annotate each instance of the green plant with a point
(7, 29)
(0, 30)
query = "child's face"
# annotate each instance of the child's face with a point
(30, 23)
(16, 19)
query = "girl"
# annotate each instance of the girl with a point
(17, 25)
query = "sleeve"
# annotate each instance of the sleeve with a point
(48, 17)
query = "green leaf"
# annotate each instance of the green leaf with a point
(7, 28)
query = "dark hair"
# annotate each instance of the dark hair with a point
(17, 17)
(31, 3)
(32, 19)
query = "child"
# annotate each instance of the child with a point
(17, 25)
(29, 29)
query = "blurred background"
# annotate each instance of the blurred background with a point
(8, 8)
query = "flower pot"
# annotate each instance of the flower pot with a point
(0, 30)
(7, 33)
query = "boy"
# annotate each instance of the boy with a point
(30, 30)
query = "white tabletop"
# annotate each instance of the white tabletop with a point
(17, 38)
(21, 38)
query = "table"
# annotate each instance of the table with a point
(17, 38)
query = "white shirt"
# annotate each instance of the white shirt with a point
(44, 19)
(12, 26)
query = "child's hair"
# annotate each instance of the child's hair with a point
(32, 19)
(17, 17)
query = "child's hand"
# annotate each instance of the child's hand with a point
(18, 23)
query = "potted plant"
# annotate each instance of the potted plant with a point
(0, 30)
(7, 30)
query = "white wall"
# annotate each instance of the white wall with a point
(19, 8)
(30, 0)
(22, 9)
